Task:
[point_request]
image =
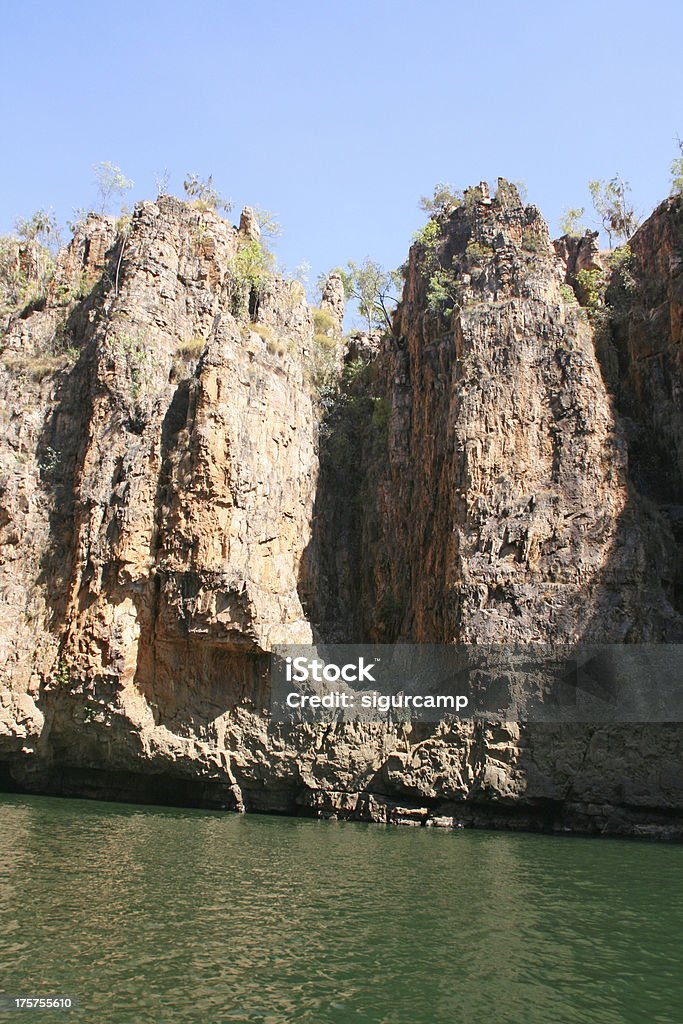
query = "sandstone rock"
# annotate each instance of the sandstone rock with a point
(30, 260)
(362, 346)
(648, 338)
(408, 815)
(249, 226)
(578, 252)
(168, 513)
(333, 301)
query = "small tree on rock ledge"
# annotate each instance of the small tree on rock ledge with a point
(372, 287)
(614, 208)
(110, 181)
(444, 199)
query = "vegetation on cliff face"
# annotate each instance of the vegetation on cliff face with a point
(677, 172)
(27, 261)
(204, 195)
(616, 212)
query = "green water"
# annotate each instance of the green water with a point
(159, 915)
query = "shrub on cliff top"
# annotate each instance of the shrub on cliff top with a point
(26, 266)
(677, 172)
(41, 228)
(204, 195)
(443, 200)
(570, 221)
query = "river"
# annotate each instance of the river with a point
(172, 915)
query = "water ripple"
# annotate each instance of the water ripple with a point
(177, 916)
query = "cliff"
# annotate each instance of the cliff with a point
(177, 496)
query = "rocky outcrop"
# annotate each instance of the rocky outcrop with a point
(577, 253)
(176, 498)
(647, 338)
(501, 508)
(249, 225)
(504, 441)
(333, 301)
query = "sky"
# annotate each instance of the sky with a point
(338, 116)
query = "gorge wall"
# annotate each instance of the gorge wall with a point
(177, 494)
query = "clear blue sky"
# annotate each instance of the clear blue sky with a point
(337, 116)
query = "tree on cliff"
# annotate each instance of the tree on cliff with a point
(268, 223)
(444, 199)
(42, 228)
(614, 208)
(110, 181)
(372, 287)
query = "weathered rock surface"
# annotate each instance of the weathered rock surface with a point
(648, 341)
(577, 253)
(168, 512)
(333, 300)
(249, 225)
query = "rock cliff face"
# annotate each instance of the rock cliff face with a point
(175, 498)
